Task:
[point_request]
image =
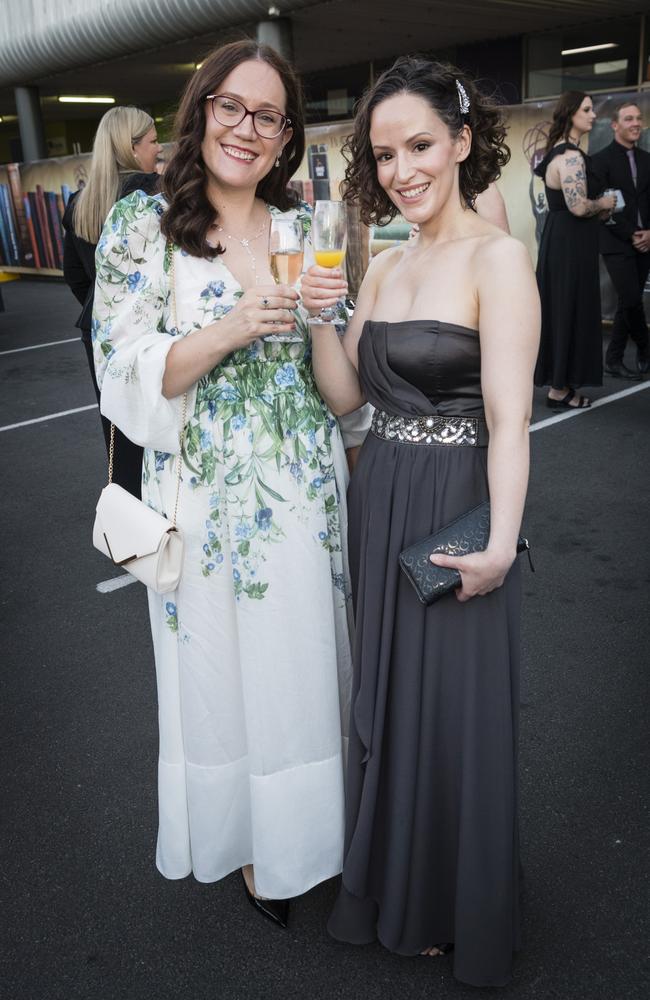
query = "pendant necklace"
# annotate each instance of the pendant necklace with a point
(246, 245)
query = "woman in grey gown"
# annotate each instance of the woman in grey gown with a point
(443, 344)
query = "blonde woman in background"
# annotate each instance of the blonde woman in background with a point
(124, 158)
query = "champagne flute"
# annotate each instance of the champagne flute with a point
(286, 251)
(329, 233)
(618, 207)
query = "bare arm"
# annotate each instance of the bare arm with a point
(193, 356)
(336, 361)
(509, 345)
(573, 180)
(509, 326)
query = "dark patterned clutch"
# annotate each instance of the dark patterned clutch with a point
(468, 533)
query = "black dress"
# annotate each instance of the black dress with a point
(431, 851)
(570, 352)
(79, 275)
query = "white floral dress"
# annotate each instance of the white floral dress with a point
(252, 650)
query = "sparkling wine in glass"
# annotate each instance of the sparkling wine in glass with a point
(286, 251)
(329, 233)
(618, 207)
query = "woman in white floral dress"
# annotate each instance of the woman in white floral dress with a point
(252, 650)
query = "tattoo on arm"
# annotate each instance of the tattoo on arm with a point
(574, 188)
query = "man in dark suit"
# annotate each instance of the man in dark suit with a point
(625, 245)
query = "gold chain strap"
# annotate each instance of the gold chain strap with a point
(169, 255)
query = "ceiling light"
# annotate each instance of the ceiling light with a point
(273, 11)
(590, 48)
(87, 100)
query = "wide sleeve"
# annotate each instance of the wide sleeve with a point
(354, 426)
(132, 328)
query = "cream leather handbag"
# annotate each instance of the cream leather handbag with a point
(133, 535)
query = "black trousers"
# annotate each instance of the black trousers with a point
(628, 276)
(127, 456)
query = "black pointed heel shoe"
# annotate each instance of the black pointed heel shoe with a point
(276, 910)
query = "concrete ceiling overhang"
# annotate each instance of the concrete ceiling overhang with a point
(57, 38)
(327, 34)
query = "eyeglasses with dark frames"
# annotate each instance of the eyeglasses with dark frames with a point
(227, 111)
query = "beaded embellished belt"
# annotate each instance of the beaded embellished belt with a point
(458, 431)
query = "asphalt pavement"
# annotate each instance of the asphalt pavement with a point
(83, 911)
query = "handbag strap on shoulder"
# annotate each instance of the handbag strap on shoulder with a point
(169, 259)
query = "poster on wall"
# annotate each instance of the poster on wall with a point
(33, 197)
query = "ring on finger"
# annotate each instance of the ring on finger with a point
(265, 302)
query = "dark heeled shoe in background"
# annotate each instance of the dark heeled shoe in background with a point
(276, 910)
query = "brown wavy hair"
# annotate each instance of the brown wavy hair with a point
(563, 112)
(436, 84)
(189, 213)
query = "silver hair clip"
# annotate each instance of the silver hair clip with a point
(463, 99)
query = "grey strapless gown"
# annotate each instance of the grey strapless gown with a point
(431, 851)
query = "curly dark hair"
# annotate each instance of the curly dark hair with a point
(436, 83)
(190, 214)
(563, 112)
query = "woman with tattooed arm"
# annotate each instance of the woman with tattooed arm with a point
(567, 271)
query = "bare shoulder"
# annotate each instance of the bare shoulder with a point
(383, 263)
(498, 255)
(570, 160)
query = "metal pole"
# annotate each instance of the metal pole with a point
(30, 123)
(277, 33)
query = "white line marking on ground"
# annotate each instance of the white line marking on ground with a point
(116, 583)
(552, 421)
(35, 347)
(51, 416)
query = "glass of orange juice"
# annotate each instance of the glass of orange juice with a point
(328, 233)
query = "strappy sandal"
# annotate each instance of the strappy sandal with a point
(565, 403)
(442, 949)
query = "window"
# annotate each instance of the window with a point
(599, 56)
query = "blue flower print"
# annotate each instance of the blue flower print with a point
(236, 574)
(238, 421)
(172, 617)
(322, 535)
(317, 482)
(214, 289)
(234, 558)
(220, 557)
(212, 409)
(228, 393)
(136, 281)
(296, 471)
(206, 440)
(161, 458)
(243, 530)
(263, 518)
(286, 375)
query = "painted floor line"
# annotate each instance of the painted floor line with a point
(50, 416)
(567, 414)
(35, 347)
(115, 583)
